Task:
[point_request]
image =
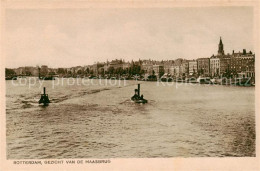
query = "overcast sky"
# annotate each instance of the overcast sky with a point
(71, 37)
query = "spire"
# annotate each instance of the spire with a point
(220, 48)
(220, 41)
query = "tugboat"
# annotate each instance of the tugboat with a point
(137, 98)
(44, 98)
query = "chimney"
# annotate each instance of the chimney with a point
(233, 51)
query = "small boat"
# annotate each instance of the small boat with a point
(47, 78)
(137, 98)
(44, 98)
(204, 80)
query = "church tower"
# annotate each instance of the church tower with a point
(220, 48)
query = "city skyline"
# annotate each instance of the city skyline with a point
(67, 38)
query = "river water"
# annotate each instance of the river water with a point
(100, 121)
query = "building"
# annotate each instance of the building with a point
(175, 70)
(178, 61)
(225, 65)
(184, 68)
(158, 70)
(19, 71)
(44, 70)
(203, 66)
(116, 64)
(242, 63)
(192, 67)
(147, 68)
(214, 66)
(167, 66)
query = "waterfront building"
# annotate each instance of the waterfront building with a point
(158, 70)
(184, 68)
(192, 67)
(203, 66)
(167, 66)
(44, 70)
(214, 66)
(178, 61)
(225, 65)
(147, 68)
(116, 64)
(27, 70)
(242, 63)
(175, 70)
(171, 72)
(19, 71)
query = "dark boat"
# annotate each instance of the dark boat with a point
(47, 78)
(44, 98)
(204, 80)
(137, 98)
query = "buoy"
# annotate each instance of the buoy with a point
(44, 98)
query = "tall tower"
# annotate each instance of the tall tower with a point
(220, 48)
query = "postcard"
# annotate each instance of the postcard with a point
(133, 85)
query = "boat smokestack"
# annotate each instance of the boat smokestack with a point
(138, 89)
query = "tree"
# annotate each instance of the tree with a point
(87, 71)
(61, 71)
(161, 72)
(79, 72)
(111, 70)
(28, 73)
(9, 72)
(142, 72)
(51, 73)
(102, 71)
(119, 70)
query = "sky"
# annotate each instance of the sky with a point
(78, 37)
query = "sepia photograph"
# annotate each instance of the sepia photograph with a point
(110, 83)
